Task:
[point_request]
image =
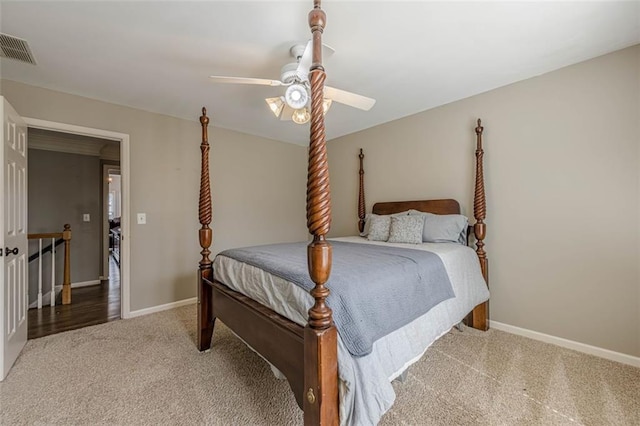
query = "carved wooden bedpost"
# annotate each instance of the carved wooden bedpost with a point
(361, 204)
(320, 335)
(205, 292)
(480, 315)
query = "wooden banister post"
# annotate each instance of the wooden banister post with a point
(320, 335)
(66, 283)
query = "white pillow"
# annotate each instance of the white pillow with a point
(406, 229)
(443, 228)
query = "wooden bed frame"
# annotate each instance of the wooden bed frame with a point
(307, 356)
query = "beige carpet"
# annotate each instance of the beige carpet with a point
(147, 371)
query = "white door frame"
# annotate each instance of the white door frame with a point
(105, 215)
(123, 138)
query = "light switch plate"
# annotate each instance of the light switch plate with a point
(86, 217)
(142, 218)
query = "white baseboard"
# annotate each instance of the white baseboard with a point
(569, 344)
(78, 284)
(84, 284)
(159, 308)
(46, 301)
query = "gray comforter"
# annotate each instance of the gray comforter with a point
(374, 289)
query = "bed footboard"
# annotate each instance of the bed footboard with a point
(273, 336)
(276, 338)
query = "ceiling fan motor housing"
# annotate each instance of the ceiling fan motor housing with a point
(288, 73)
(297, 50)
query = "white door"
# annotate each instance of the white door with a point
(13, 237)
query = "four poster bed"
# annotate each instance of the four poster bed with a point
(288, 318)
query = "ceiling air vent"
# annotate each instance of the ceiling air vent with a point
(15, 48)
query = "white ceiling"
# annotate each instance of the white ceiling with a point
(410, 56)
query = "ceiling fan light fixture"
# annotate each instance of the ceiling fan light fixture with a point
(276, 105)
(301, 116)
(296, 96)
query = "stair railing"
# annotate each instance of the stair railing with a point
(55, 237)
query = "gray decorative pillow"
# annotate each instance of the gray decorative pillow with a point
(367, 224)
(443, 228)
(406, 229)
(367, 221)
(379, 227)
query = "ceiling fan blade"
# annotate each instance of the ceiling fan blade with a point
(348, 98)
(245, 80)
(286, 114)
(306, 60)
(327, 50)
(304, 63)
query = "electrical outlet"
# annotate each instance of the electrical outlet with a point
(142, 218)
(86, 217)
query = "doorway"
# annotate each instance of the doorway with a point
(65, 187)
(123, 141)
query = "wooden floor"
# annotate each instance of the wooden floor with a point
(89, 306)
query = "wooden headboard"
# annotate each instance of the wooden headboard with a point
(447, 206)
(480, 316)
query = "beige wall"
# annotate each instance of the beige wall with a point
(258, 187)
(562, 179)
(62, 188)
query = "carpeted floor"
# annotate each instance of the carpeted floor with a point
(147, 371)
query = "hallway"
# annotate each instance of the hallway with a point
(90, 305)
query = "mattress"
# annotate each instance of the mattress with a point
(365, 382)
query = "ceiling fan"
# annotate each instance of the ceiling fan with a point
(294, 104)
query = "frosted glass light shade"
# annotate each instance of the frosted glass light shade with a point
(301, 116)
(275, 105)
